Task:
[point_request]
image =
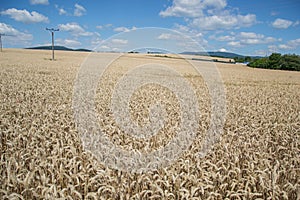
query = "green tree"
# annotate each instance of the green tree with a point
(275, 61)
(290, 62)
(260, 63)
(248, 59)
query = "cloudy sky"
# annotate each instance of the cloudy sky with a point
(246, 27)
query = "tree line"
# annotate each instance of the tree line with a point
(277, 61)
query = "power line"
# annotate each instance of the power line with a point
(52, 30)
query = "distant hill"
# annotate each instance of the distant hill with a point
(218, 54)
(62, 48)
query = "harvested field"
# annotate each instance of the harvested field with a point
(42, 156)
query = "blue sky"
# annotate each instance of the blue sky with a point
(246, 27)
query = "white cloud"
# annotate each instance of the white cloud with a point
(71, 27)
(124, 29)
(119, 41)
(296, 23)
(42, 2)
(68, 43)
(224, 38)
(192, 8)
(75, 29)
(208, 14)
(226, 21)
(104, 47)
(181, 28)
(248, 38)
(121, 29)
(72, 42)
(254, 38)
(261, 52)
(164, 36)
(186, 39)
(234, 44)
(116, 49)
(106, 26)
(25, 16)
(96, 41)
(79, 10)
(62, 11)
(271, 39)
(281, 23)
(290, 45)
(195, 37)
(174, 37)
(16, 37)
(222, 50)
(251, 35)
(115, 44)
(285, 47)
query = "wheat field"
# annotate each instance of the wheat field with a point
(42, 155)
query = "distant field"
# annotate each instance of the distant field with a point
(42, 156)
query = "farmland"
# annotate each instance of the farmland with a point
(42, 155)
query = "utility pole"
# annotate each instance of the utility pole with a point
(52, 30)
(2, 34)
(1, 41)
